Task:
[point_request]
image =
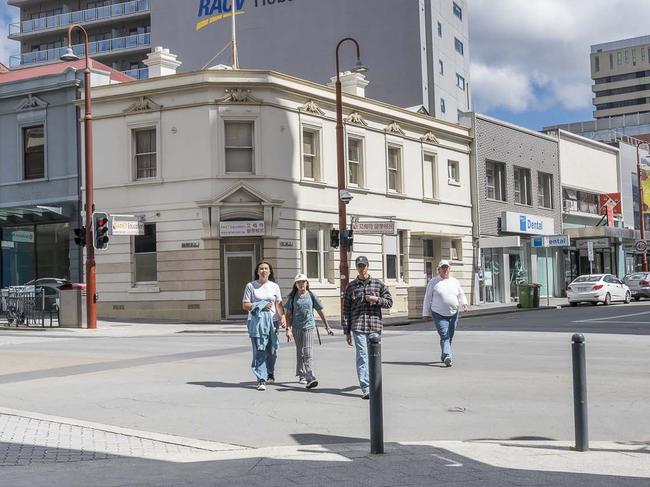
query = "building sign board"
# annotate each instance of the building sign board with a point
(386, 227)
(596, 243)
(190, 245)
(22, 236)
(512, 222)
(551, 241)
(126, 225)
(252, 228)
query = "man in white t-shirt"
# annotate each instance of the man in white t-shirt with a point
(442, 300)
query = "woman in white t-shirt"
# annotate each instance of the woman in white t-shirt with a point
(264, 289)
(443, 300)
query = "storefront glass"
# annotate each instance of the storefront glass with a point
(492, 277)
(34, 251)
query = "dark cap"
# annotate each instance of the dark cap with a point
(362, 259)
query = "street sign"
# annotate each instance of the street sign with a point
(126, 225)
(641, 246)
(590, 250)
(385, 227)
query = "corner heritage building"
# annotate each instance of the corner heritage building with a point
(227, 167)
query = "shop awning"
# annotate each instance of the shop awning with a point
(603, 232)
(26, 215)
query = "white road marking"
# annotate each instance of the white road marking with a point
(451, 462)
(586, 322)
(611, 317)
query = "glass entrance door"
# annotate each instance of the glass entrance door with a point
(239, 269)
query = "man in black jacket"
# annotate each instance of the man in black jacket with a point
(364, 298)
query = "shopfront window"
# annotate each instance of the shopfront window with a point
(33, 252)
(492, 281)
(581, 201)
(518, 260)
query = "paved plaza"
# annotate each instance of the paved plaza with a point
(175, 404)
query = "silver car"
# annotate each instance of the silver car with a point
(639, 284)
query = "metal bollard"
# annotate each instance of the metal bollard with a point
(376, 409)
(580, 392)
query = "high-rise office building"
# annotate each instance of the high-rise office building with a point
(620, 71)
(417, 50)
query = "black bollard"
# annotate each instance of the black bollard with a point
(376, 409)
(580, 392)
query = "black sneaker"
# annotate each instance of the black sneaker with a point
(270, 379)
(311, 384)
(447, 361)
(261, 385)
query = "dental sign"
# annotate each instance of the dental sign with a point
(211, 11)
(512, 222)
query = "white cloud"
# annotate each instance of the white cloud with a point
(8, 47)
(534, 54)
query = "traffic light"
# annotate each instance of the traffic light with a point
(80, 236)
(100, 230)
(347, 238)
(334, 238)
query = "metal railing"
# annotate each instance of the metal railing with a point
(79, 17)
(138, 73)
(94, 48)
(26, 306)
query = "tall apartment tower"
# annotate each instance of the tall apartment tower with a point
(620, 71)
(119, 31)
(417, 51)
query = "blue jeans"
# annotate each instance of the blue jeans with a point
(263, 360)
(361, 346)
(446, 325)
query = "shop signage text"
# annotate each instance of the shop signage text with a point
(254, 228)
(190, 245)
(286, 243)
(512, 222)
(596, 243)
(211, 11)
(552, 241)
(374, 228)
(126, 225)
(22, 236)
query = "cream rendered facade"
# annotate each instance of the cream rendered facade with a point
(189, 193)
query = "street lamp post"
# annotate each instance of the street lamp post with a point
(644, 255)
(91, 280)
(344, 269)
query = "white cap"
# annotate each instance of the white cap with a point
(442, 263)
(301, 277)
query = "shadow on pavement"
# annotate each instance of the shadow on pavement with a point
(423, 364)
(226, 385)
(326, 466)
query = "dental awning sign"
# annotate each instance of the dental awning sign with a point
(512, 222)
(552, 241)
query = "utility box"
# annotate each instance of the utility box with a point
(71, 306)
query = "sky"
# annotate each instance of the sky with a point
(529, 58)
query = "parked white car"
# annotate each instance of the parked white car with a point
(598, 288)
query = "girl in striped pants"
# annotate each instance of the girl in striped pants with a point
(301, 326)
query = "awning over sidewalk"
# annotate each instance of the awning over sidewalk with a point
(603, 232)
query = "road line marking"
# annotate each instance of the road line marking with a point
(587, 322)
(451, 463)
(610, 317)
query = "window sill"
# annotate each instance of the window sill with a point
(141, 288)
(145, 181)
(453, 182)
(496, 200)
(313, 182)
(432, 200)
(26, 181)
(523, 205)
(549, 208)
(356, 189)
(394, 194)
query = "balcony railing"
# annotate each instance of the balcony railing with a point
(141, 73)
(95, 49)
(79, 17)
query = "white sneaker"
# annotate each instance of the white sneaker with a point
(302, 381)
(261, 385)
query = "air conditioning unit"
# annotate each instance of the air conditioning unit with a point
(569, 206)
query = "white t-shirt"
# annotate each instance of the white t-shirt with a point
(269, 291)
(443, 296)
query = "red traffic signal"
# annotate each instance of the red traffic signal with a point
(100, 230)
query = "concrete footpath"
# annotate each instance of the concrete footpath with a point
(42, 450)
